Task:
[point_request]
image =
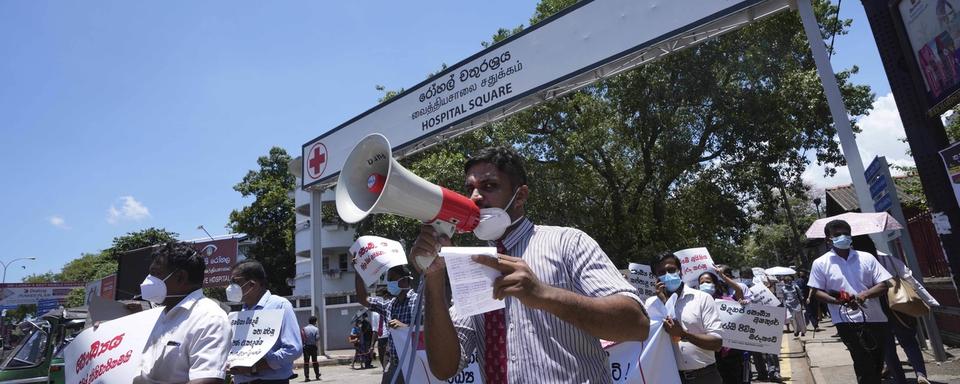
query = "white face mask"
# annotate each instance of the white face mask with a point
(495, 221)
(235, 292)
(153, 289)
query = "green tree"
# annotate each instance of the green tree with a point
(139, 239)
(270, 219)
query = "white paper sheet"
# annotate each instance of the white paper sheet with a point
(471, 282)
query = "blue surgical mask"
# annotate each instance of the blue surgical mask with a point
(671, 281)
(394, 288)
(842, 242)
(708, 288)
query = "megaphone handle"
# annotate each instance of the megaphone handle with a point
(444, 228)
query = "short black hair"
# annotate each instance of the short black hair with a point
(716, 279)
(181, 256)
(312, 320)
(835, 224)
(659, 258)
(401, 270)
(251, 270)
(505, 158)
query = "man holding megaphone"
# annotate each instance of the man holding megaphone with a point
(562, 292)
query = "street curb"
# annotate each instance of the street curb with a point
(815, 372)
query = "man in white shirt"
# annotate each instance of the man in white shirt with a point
(850, 282)
(190, 341)
(696, 334)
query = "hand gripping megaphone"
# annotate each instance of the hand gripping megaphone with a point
(371, 181)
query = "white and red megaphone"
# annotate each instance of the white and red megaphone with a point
(371, 181)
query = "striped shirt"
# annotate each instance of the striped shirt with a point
(541, 348)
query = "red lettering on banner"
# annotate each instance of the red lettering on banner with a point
(98, 348)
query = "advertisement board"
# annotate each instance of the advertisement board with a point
(932, 29)
(13, 294)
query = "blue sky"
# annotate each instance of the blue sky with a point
(124, 115)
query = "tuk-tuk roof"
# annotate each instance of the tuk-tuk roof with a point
(67, 313)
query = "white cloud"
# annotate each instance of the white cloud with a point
(130, 210)
(881, 134)
(58, 222)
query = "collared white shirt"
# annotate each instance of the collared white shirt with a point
(859, 272)
(698, 315)
(189, 341)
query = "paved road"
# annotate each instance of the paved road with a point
(344, 374)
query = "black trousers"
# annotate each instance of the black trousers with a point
(310, 352)
(865, 343)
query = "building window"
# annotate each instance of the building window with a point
(344, 262)
(334, 300)
(353, 299)
(305, 303)
(326, 263)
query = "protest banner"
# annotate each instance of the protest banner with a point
(763, 296)
(420, 373)
(111, 352)
(755, 328)
(254, 333)
(643, 280)
(651, 361)
(693, 263)
(375, 255)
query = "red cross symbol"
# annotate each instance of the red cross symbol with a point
(317, 160)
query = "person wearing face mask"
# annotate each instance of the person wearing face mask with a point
(850, 282)
(730, 362)
(398, 309)
(248, 285)
(696, 330)
(190, 341)
(562, 293)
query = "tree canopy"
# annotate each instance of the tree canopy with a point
(269, 219)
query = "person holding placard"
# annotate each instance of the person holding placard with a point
(851, 282)
(562, 293)
(730, 362)
(397, 310)
(696, 333)
(249, 287)
(190, 341)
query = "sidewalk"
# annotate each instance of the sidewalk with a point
(333, 357)
(830, 361)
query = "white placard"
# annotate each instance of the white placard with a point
(642, 278)
(651, 361)
(254, 333)
(755, 328)
(693, 263)
(565, 51)
(375, 255)
(763, 296)
(421, 367)
(112, 352)
(471, 282)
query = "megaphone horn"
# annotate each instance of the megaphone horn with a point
(371, 181)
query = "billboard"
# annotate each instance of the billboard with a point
(14, 294)
(220, 256)
(583, 43)
(932, 29)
